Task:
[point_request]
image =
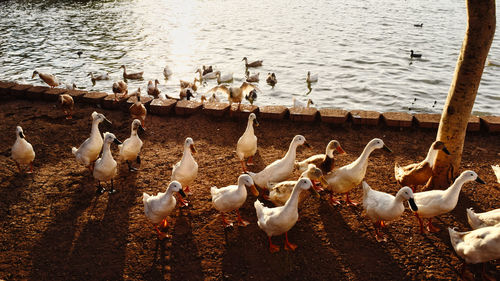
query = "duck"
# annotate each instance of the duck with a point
(478, 220)
(280, 192)
(278, 220)
(226, 78)
(311, 78)
(120, 87)
(252, 78)
(206, 76)
(496, 170)
(105, 166)
(437, 202)
(234, 94)
(138, 110)
(186, 94)
(90, 149)
(186, 170)
(271, 79)
(66, 103)
(345, 178)
(99, 77)
(256, 63)
(207, 69)
(280, 169)
(153, 89)
(22, 151)
(477, 246)
(247, 143)
(129, 150)
(414, 55)
(167, 72)
(212, 98)
(186, 84)
(79, 53)
(232, 197)
(417, 174)
(381, 207)
(297, 103)
(325, 162)
(251, 96)
(49, 79)
(158, 207)
(132, 76)
(419, 24)
(70, 86)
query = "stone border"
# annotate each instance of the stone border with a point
(10, 90)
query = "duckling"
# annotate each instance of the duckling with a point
(105, 166)
(478, 220)
(347, 177)
(496, 170)
(120, 87)
(186, 94)
(226, 78)
(297, 103)
(271, 79)
(132, 76)
(67, 103)
(129, 150)
(99, 77)
(153, 90)
(186, 170)
(280, 192)
(280, 169)
(311, 78)
(138, 110)
(186, 84)
(417, 174)
(232, 197)
(437, 202)
(251, 97)
(252, 78)
(414, 55)
(247, 143)
(381, 207)
(159, 206)
(235, 94)
(256, 63)
(167, 72)
(22, 151)
(90, 149)
(207, 70)
(49, 79)
(279, 220)
(325, 162)
(477, 246)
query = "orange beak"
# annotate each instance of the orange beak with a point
(254, 190)
(340, 150)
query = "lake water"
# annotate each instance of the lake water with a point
(359, 49)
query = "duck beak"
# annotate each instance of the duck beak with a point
(21, 135)
(479, 180)
(106, 119)
(314, 192)
(141, 128)
(255, 122)
(116, 141)
(445, 150)
(193, 150)
(307, 144)
(413, 206)
(254, 190)
(340, 150)
(181, 192)
(387, 148)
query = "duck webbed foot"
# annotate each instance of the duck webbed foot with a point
(289, 246)
(241, 221)
(431, 228)
(272, 247)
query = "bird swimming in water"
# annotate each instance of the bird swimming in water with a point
(414, 55)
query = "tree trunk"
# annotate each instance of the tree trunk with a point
(458, 107)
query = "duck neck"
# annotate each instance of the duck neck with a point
(187, 153)
(249, 129)
(124, 71)
(363, 158)
(292, 151)
(293, 201)
(133, 132)
(431, 156)
(453, 191)
(106, 151)
(94, 133)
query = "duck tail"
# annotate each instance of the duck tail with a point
(455, 237)
(397, 172)
(74, 150)
(473, 219)
(145, 198)
(258, 208)
(213, 190)
(366, 189)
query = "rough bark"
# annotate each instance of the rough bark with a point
(479, 35)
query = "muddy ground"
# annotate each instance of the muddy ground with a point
(54, 227)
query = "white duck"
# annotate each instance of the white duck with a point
(347, 177)
(167, 72)
(207, 76)
(247, 143)
(478, 220)
(98, 77)
(129, 150)
(159, 206)
(22, 151)
(325, 162)
(280, 192)
(186, 170)
(381, 207)
(496, 170)
(89, 150)
(50, 79)
(477, 246)
(280, 169)
(232, 197)
(437, 202)
(226, 78)
(297, 103)
(311, 78)
(279, 220)
(105, 166)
